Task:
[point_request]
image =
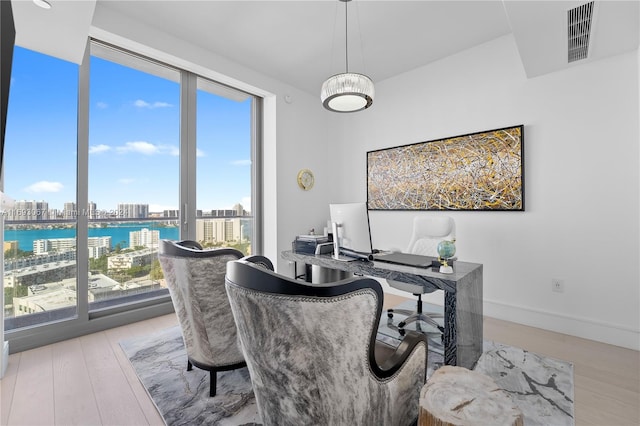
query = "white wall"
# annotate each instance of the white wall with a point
(581, 222)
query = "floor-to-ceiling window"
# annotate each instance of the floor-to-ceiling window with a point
(40, 174)
(134, 171)
(96, 157)
(223, 164)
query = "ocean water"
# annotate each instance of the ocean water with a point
(118, 234)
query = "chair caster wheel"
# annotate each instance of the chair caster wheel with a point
(402, 324)
(390, 314)
(401, 331)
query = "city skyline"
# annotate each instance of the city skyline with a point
(41, 208)
(133, 138)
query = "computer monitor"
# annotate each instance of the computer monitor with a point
(351, 220)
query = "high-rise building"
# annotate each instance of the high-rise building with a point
(69, 211)
(136, 211)
(97, 245)
(29, 210)
(223, 213)
(93, 211)
(144, 237)
(218, 230)
(240, 211)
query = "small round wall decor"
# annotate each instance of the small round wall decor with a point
(305, 179)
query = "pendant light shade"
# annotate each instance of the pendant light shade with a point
(347, 92)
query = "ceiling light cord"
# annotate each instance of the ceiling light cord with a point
(346, 37)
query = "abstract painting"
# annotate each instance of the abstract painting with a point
(477, 171)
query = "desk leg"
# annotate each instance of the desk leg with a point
(306, 275)
(450, 326)
(463, 322)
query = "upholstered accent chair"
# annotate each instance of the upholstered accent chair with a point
(311, 351)
(195, 278)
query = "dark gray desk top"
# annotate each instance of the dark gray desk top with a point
(410, 274)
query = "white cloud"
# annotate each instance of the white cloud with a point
(44, 186)
(241, 162)
(144, 104)
(141, 147)
(200, 153)
(126, 181)
(99, 149)
(147, 148)
(170, 149)
(102, 105)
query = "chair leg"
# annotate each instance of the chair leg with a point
(419, 316)
(212, 383)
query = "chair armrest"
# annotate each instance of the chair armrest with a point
(258, 260)
(403, 351)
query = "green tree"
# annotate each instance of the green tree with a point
(100, 264)
(156, 271)
(17, 254)
(138, 271)
(11, 292)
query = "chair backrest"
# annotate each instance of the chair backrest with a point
(195, 278)
(428, 231)
(310, 349)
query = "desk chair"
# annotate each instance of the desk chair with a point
(428, 231)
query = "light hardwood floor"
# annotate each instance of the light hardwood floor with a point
(89, 381)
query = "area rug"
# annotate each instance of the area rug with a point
(542, 387)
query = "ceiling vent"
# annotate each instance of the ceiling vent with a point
(579, 29)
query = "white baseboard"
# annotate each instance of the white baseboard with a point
(5, 358)
(586, 328)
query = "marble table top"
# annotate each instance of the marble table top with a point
(432, 280)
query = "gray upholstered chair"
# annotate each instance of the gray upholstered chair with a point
(311, 351)
(195, 278)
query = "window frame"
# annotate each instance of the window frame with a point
(86, 321)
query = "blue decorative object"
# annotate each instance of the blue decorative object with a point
(446, 249)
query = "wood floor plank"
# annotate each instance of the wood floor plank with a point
(606, 377)
(391, 300)
(71, 383)
(114, 337)
(33, 402)
(616, 402)
(116, 400)
(8, 384)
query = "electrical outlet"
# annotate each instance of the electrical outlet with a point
(557, 285)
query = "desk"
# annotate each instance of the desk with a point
(462, 298)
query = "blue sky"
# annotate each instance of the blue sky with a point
(133, 138)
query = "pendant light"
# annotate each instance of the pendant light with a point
(347, 92)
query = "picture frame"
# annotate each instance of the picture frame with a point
(482, 171)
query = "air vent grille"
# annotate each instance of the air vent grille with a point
(579, 29)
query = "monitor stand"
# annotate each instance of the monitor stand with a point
(336, 245)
